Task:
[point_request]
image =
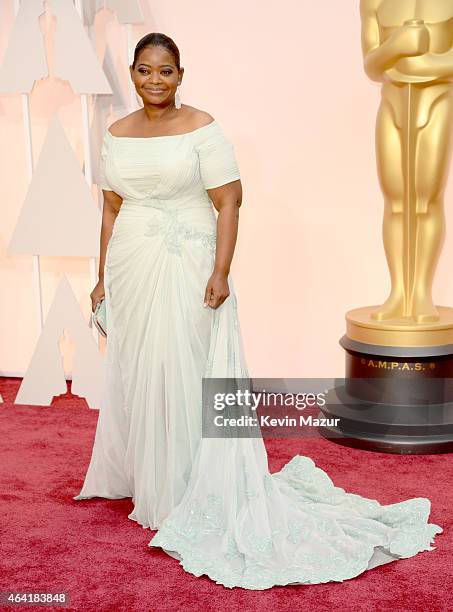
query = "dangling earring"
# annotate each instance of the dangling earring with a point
(177, 98)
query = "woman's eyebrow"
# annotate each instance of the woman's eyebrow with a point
(161, 66)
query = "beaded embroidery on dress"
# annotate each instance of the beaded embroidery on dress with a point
(215, 504)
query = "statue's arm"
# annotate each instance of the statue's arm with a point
(377, 57)
(444, 64)
(435, 65)
(403, 42)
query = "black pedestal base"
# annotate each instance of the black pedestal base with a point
(393, 399)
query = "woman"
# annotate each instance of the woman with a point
(172, 320)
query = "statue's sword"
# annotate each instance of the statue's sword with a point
(410, 221)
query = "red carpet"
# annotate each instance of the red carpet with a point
(91, 550)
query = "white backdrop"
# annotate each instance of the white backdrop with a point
(287, 84)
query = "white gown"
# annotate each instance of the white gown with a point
(215, 504)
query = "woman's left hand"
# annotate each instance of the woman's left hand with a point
(217, 290)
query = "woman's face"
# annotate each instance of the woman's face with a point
(155, 76)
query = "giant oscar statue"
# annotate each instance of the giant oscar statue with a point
(403, 349)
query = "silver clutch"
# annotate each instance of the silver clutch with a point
(99, 318)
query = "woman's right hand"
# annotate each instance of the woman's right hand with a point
(97, 294)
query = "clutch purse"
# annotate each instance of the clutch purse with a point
(99, 318)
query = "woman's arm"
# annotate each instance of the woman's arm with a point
(404, 42)
(226, 199)
(110, 210)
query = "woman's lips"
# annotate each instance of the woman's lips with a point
(155, 90)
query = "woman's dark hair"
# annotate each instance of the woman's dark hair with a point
(157, 39)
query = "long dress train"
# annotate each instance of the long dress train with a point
(215, 504)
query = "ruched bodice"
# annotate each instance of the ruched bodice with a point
(163, 182)
(171, 170)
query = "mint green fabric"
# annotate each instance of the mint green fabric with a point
(215, 504)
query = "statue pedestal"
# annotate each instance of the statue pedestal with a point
(398, 391)
(402, 332)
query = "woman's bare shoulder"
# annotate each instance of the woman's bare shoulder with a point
(123, 126)
(197, 118)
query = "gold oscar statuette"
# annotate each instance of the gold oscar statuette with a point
(407, 341)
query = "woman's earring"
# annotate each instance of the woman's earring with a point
(177, 98)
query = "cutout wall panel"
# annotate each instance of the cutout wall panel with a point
(20, 67)
(44, 378)
(126, 11)
(74, 57)
(58, 198)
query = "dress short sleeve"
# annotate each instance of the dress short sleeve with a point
(218, 165)
(102, 180)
